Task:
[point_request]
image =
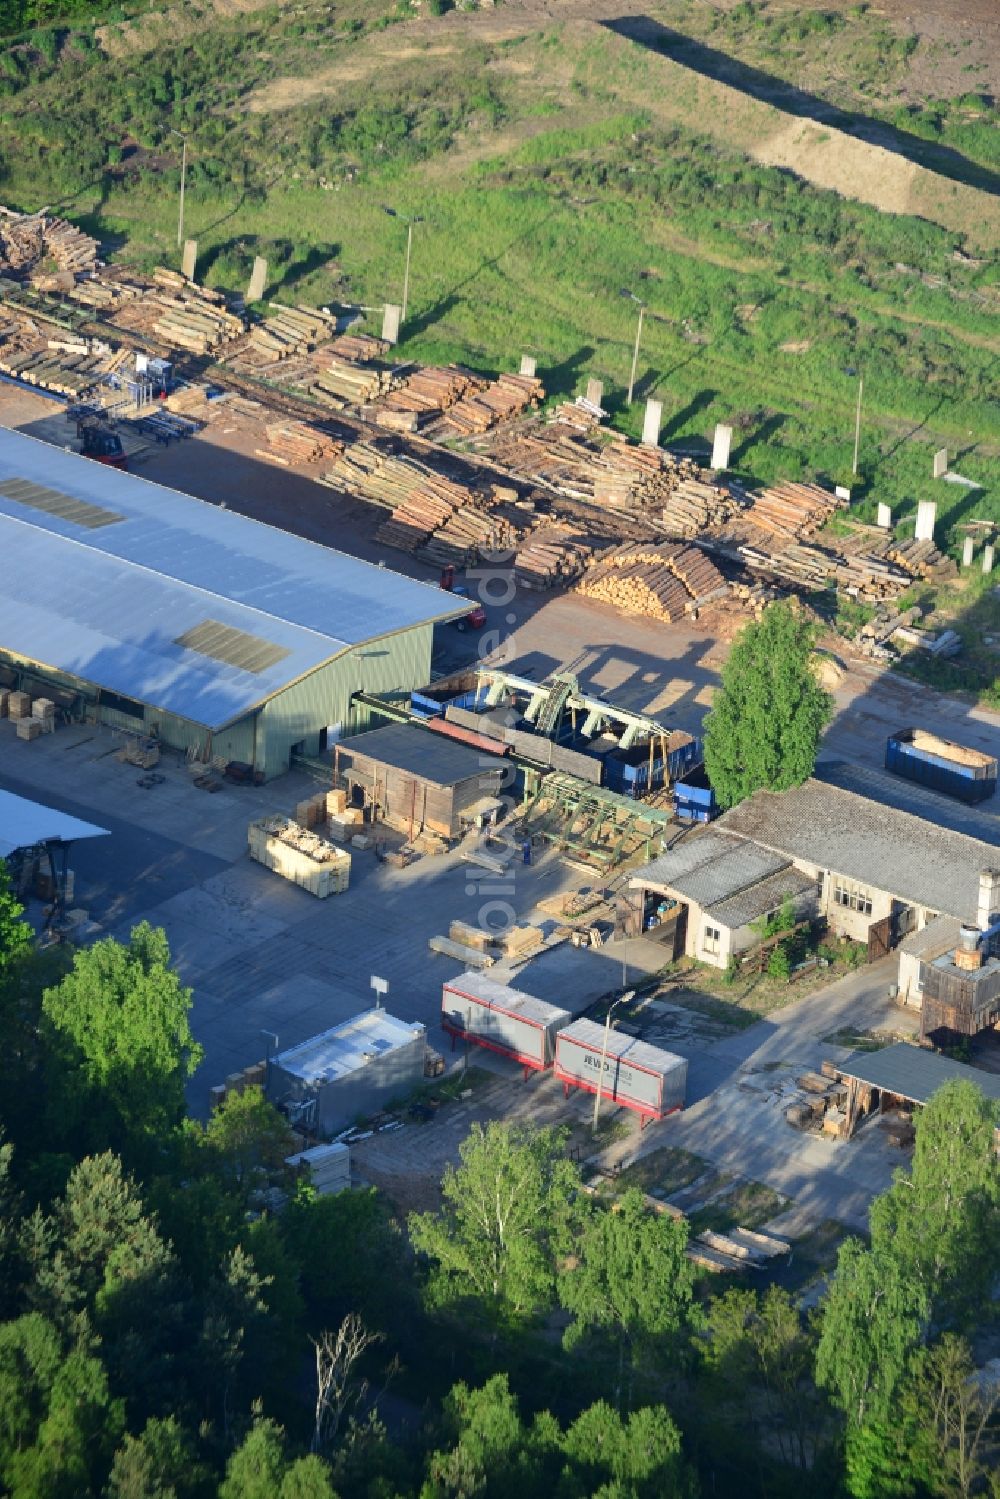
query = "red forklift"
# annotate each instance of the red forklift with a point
(472, 621)
(101, 442)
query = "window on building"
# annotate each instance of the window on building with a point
(712, 938)
(853, 898)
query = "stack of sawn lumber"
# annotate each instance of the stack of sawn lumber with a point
(662, 582)
(295, 444)
(504, 398)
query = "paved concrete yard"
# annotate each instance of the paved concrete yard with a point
(259, 953)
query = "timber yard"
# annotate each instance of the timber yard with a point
(380, 688)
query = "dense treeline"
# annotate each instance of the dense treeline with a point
(165, 1332)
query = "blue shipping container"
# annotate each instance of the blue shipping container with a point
(966, 774)
(634, 779)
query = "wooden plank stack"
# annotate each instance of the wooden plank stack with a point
(296, 444)
(793, 510)
(664, 582)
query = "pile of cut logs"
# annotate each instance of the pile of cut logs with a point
(183, 315)
(814, 567)
(662, 582)
(295, 444)
(359, 348)
(554, 552)
(468, 534)
(793, 510)
(425, 394)
(289, 330)
(50, 358)
(696, 506)
(504, 398)
(920, 559)
(425, 509)
(339, 383)
(380, 478)
(27, 240)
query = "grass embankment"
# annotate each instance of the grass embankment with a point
(765, 295)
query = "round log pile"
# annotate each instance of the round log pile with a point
(663, 582)
(552, 553)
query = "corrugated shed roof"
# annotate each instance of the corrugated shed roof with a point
(24, 823)
(881, 847)
(590, 1033)
(934, 938)
(762, 898)
(914, 1073)
(979, 821)
(107, 605)
(346, 1047)
(710, 867)
(430, 757)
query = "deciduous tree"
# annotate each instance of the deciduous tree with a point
(768, 715)
(630, 1278)
(506, 1213)
(118, 1026)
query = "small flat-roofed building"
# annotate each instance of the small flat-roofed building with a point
(143, 608)
(880, 871)
(418, 781)
(940, 935)
(348, 1072)
(708, 896)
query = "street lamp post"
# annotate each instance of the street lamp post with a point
(604, 1052)
(409, 222)
(638, 335)
(269, 1038)
(184, 157)
(857, 423)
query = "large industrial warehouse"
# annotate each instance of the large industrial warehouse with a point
(143, 608)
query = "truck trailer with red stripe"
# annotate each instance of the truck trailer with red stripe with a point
(484, 1012)
(637, 1076)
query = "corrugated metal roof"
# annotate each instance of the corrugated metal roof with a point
(430, 757)
(346, 1047)
(934, 938)
(710, 867)
(24, 823)
(108, 605)
(590, 1033)
(481, 987)
(881, 847)
(914, 1073)
(979, 821)
(762, 898)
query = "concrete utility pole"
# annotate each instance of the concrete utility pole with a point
(184, 159)
(638, 335)
(604, 1052)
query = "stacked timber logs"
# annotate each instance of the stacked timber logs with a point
(422, 512)
(289, 330)
(552, 553)
(359, 348)
(504, 398)
(380, 478)
(695, 507)
(919, 559)
(662, 582)
(53, 360)
(181, 314)
(580, 415)
(339, 383)
(468, 534)
(793, 510)
(29, 241)
(425, 394)
(295, 444)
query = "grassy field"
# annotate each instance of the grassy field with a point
(551, 171)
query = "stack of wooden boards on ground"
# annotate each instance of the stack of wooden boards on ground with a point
(664, 582)
(298, 445)
(504, 398)
(30, 243)
(181, 314)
